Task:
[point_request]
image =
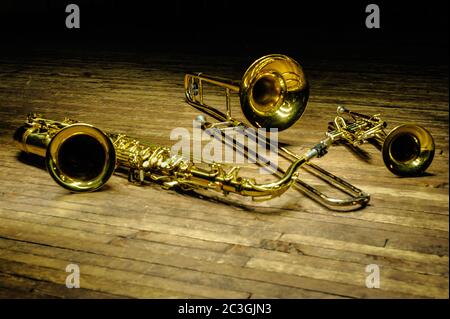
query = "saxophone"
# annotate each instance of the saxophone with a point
(81, 157)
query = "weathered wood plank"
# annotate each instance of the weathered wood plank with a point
(147, 242)
(29, 288)
(204, 266)
(175, 273)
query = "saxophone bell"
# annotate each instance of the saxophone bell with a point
(80, 158)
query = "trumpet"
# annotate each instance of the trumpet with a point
(407, 149)
(81, 158)
(273, 93)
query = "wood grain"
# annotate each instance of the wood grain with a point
(145, 242)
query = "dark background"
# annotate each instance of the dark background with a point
(321, 28)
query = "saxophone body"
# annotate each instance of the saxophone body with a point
(80, 157)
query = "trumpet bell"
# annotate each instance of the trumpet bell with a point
(80, 158)
(274, 92)
(408, 150)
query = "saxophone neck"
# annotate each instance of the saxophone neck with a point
(216, 178)
(283, 184)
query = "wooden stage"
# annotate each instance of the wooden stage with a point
(146, 242)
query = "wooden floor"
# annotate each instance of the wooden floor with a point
(146, 242)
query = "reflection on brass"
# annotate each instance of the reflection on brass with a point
(407, 150)
(273, 92)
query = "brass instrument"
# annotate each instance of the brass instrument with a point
(273, 93)
(407, 150)
(81, 158)
(78, 156)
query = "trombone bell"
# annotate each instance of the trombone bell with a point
(408, 150)
(273, 92)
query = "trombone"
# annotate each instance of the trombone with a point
(273, 93)
(407, 149)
